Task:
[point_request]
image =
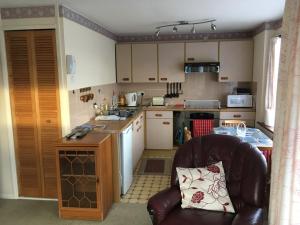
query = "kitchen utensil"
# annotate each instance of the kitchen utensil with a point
(177, 94)
(167, 95)
(180, 89)
(173, 90)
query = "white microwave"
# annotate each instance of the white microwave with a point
(242, 101)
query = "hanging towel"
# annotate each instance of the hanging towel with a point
(202, 127)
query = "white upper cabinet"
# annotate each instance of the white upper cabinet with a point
(171, 62)
(144, 63)
(202, 52)
(123, 57)
(236, 61)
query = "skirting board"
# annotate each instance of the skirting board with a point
(7, 196)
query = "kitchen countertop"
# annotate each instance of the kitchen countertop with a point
(91, 139)
(115, 126)
(181, 108)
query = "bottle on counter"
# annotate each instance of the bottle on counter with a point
(105, 107)
(122, 100)
(97, 109)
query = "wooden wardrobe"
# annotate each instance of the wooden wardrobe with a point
(34, 94)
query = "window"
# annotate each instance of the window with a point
(272, 79)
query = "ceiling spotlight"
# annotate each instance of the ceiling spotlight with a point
(177, 24)
(213, 26)
(193, 30)
(157, 33)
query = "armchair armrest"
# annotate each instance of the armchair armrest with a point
(249, 216)
(160, 204)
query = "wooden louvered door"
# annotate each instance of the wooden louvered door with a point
(35, 109)
(47, 99)
(21, 82)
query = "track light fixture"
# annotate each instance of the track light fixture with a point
(193, 30)
(213, 27)
(157, 32)
(175, 25)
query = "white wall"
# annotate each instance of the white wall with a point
(8, 184)
(94, 54)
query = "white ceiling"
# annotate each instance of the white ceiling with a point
(142, 16)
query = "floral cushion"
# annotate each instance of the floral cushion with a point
(204, 188)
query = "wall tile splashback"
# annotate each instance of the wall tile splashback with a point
(81, 112)
(196, 86)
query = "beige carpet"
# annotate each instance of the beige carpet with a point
(29, 212)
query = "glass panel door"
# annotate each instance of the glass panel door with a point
(78, 179)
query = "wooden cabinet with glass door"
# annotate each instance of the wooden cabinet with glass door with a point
(84, 170)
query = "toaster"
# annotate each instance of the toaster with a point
(159, 101)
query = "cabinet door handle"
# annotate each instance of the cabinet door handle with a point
(137, 122)
(125, 79)
(163, 78)
(166, 123)
(97, 180)
(151, 78)
(190, 59)
(158, 115)
(224, 78)
(237, 116)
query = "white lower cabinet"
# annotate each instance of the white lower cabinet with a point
(159, 130)
(138, 139)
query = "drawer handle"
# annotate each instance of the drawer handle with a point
(163, 78)
(158, 115)
(48, 121)
(166, 123)
(237, 116)
(151, 78)
(190, 59)
(139, 129)
(125, 79)
(224, 78)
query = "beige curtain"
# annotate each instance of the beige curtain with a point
(285, 178)
(272, 78)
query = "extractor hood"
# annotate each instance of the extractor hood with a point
(202, 67)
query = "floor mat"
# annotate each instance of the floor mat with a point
(155, 166)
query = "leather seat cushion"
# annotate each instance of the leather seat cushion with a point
(181, 216)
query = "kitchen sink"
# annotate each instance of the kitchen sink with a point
(117, 114)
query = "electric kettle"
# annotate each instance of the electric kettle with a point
(131, 99)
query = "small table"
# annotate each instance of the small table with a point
(257, 139)
(254, 136)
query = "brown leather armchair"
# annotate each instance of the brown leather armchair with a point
(245, 168)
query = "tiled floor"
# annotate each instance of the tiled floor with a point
(144, 186)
